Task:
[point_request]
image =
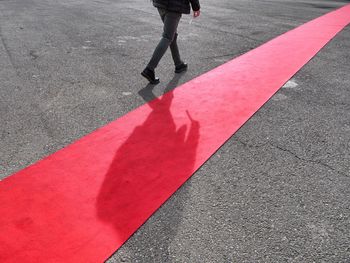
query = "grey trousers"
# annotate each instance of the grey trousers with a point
(169, 37)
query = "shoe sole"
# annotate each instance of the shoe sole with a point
(154, 82)
(181, 70)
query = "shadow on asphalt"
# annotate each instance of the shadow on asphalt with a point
(147, 94)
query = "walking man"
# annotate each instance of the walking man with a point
(170, 12)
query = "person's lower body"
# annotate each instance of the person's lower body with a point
(169, 39)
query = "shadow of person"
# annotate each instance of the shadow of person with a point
(155, 160)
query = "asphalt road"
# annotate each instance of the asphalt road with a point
(277, 191)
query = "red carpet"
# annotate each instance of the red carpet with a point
(83, 202)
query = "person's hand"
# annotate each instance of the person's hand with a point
(196, 13)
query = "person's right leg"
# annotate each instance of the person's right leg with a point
(180, 66)
(175, 52)
(171, 21)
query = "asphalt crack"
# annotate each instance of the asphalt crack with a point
(251, 145)
(8, 52)
(294, 155)
(309, 160)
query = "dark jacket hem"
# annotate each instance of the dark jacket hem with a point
(178, 6)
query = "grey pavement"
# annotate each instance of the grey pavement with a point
(277, 191)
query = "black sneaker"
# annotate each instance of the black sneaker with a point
(149, 75)
(181, 68)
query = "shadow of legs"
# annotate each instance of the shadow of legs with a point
(147, 94)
